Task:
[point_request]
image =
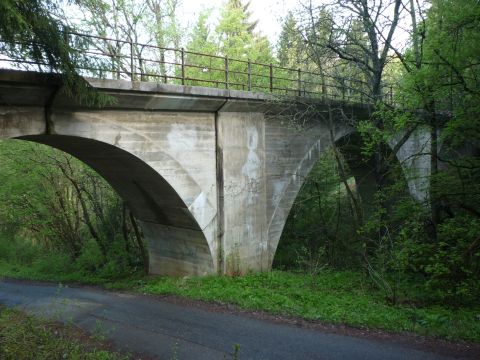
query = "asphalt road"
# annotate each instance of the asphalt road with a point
(169, 331)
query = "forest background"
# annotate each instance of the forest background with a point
(60, 220)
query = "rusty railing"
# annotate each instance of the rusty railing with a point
(105, 57)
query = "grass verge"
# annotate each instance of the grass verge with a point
(26, 337)
(330, 297)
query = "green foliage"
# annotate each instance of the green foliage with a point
(30, 31)
(199, 67)
(152, 22)
(234, 37)
(62, 217)
(445, 267)
(36, 263)
(450, 268)
(338, 297)
(439, 93)
(290, 46)
(316, 233)
(28, 338)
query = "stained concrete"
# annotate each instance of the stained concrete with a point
(211, 174)
(244, 180)
(414, 157)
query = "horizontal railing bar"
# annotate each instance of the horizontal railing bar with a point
(131, 60)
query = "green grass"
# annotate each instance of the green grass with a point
(330, 297)
(43, 272)
(26, 337)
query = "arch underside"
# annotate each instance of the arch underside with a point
(175, 241)
(291, 154)
(299, 151)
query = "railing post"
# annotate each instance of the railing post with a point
(391, 95)
(249, 75)
(299, 82)
(271, 77)
(182, 56)
(226, 72)
(132, 74)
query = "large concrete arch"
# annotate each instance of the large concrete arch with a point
(292, 152)
(156, 174)
(289, 161)
(171, 231)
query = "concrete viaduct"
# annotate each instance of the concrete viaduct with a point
(210, 174)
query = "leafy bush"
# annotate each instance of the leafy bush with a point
(26, 337)
(76, 223)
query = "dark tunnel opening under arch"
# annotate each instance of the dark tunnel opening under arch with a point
(361, 178)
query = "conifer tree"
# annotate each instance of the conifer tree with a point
(290, 47)
(30, 31)
(237, 39)
(199, 67)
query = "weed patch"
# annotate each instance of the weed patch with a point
(26, 337)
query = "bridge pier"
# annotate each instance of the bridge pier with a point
(176, 251)
(244, 238)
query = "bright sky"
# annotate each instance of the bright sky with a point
(268, 12)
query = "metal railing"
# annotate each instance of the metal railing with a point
(105, 57)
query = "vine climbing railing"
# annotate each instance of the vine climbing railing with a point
(105, 57)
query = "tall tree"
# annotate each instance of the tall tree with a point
(162, 24)
(122, 22)
(146, 22)
(31, 30)
(362, 33)
(290, 46)
(441, 77)
(201, 42)
(237, 39)
(361, 36)
(236, 34)
(439, 93)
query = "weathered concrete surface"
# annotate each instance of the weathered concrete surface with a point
(209, 175)
(153, 200)
(19, 121)
(414, 157)
(292, 151)
(244, 180)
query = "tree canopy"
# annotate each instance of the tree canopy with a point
(30, 30)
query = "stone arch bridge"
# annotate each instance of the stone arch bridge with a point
(210, 174)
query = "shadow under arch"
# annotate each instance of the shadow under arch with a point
(361, 169)
(175, 241)
(316, 144)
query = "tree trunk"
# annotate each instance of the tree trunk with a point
(141, 244)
